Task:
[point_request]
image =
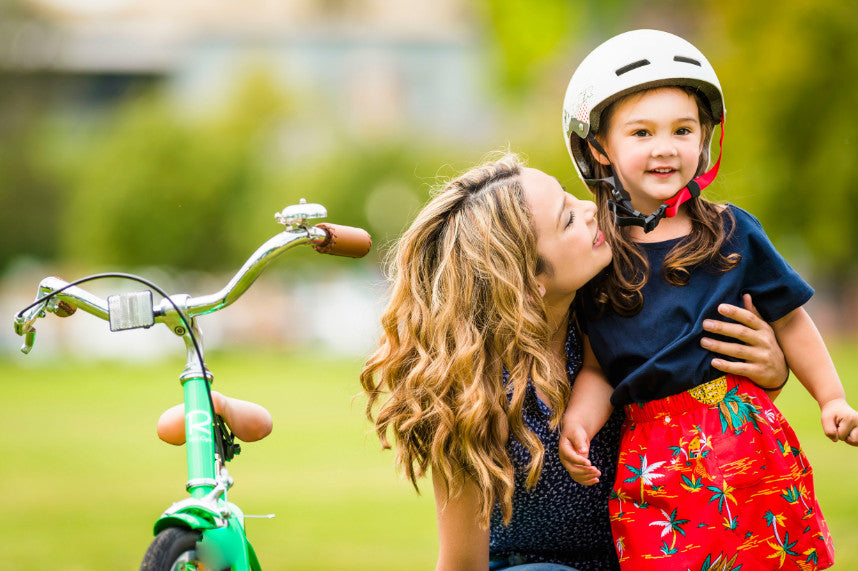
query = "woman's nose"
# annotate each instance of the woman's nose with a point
(588, 207)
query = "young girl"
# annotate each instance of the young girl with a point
(709, 474)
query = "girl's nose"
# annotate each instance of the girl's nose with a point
(664, 147)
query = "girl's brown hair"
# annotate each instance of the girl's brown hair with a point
(464, 307)
(710, 223)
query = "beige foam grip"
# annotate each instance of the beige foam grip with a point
(344, 241)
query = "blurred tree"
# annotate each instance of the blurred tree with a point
(154, 184)
(377, 186)
(28, 204)
(22, 227)
(150, 182)
(791, 147)
(528, 39)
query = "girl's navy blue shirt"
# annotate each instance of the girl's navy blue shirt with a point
(558, 520)
(657, 352)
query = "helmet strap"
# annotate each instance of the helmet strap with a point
(693, 188)
(620, 203)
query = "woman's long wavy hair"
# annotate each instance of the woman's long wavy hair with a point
(465, 306)
(621, 286)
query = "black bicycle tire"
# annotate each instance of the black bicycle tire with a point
(167, 547)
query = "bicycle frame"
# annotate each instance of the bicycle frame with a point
(222, 540)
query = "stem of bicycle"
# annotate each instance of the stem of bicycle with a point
(200, 445)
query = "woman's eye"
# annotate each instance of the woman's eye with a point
(571, 219)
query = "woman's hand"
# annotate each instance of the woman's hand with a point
(762, 361)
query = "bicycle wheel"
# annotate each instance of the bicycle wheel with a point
(173, 549)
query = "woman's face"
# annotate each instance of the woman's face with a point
(568, 238)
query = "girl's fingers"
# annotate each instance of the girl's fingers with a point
(570, 456)
(852, 437)
(845, 431)
(829, 427)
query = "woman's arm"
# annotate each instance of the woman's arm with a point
(462, 544)
(762, 361)
(247, 420)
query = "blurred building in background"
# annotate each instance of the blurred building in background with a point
(377, 63)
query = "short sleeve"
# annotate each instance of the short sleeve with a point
(775, 287)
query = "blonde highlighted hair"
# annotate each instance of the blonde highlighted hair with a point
(464, 307)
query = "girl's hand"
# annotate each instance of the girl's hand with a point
(762, 361)
(574, 452)
(840, 421)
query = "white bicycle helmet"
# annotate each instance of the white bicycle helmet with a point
(630, 62)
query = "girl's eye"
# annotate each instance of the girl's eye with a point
(683, 131)
(571, 219)
(640, 133)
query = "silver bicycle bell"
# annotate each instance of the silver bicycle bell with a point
(296, 215)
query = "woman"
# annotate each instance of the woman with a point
(478, 356)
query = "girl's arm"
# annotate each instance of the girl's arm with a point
(809, 359)
(586, 413)
(762, 360)
(247, 420)
(462, 544)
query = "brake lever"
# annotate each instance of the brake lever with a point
(24, 321)
(29, 340)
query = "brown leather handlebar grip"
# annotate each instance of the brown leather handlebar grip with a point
(344, 241)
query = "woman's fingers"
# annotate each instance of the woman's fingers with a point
(735, 350)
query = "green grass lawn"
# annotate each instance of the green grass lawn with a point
(84, 476)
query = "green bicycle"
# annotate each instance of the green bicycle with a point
(204, 530)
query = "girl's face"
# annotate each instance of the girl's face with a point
(654, 141)
(568, 238)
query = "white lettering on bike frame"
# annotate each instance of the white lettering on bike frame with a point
(199, 423)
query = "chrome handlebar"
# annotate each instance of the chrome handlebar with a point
(131, 311)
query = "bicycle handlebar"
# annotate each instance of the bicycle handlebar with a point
(130, 311)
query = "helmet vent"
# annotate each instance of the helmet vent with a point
(631, 66)
(684, 59)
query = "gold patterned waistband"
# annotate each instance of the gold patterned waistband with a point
(708, 394)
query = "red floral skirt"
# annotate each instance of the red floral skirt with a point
(714, 478)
